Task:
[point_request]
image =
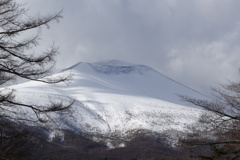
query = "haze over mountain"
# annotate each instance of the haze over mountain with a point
(115, 98)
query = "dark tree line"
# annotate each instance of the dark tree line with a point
(216, 136)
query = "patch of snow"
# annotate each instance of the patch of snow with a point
(115, 98)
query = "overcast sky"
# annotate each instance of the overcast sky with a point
(196, 42)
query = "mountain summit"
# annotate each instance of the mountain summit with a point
(126, 78)
(115, 97)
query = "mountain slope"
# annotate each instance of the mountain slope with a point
(115, 98)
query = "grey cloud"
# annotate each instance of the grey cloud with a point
(193, 41)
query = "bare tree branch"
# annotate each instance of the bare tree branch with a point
(219, 127)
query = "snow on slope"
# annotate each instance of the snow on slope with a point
(115, 98)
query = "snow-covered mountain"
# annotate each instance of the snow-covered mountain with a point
(115, 97)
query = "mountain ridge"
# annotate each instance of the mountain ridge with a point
(118, 67)
(115, 99)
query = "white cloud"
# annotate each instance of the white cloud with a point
(193, 41)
